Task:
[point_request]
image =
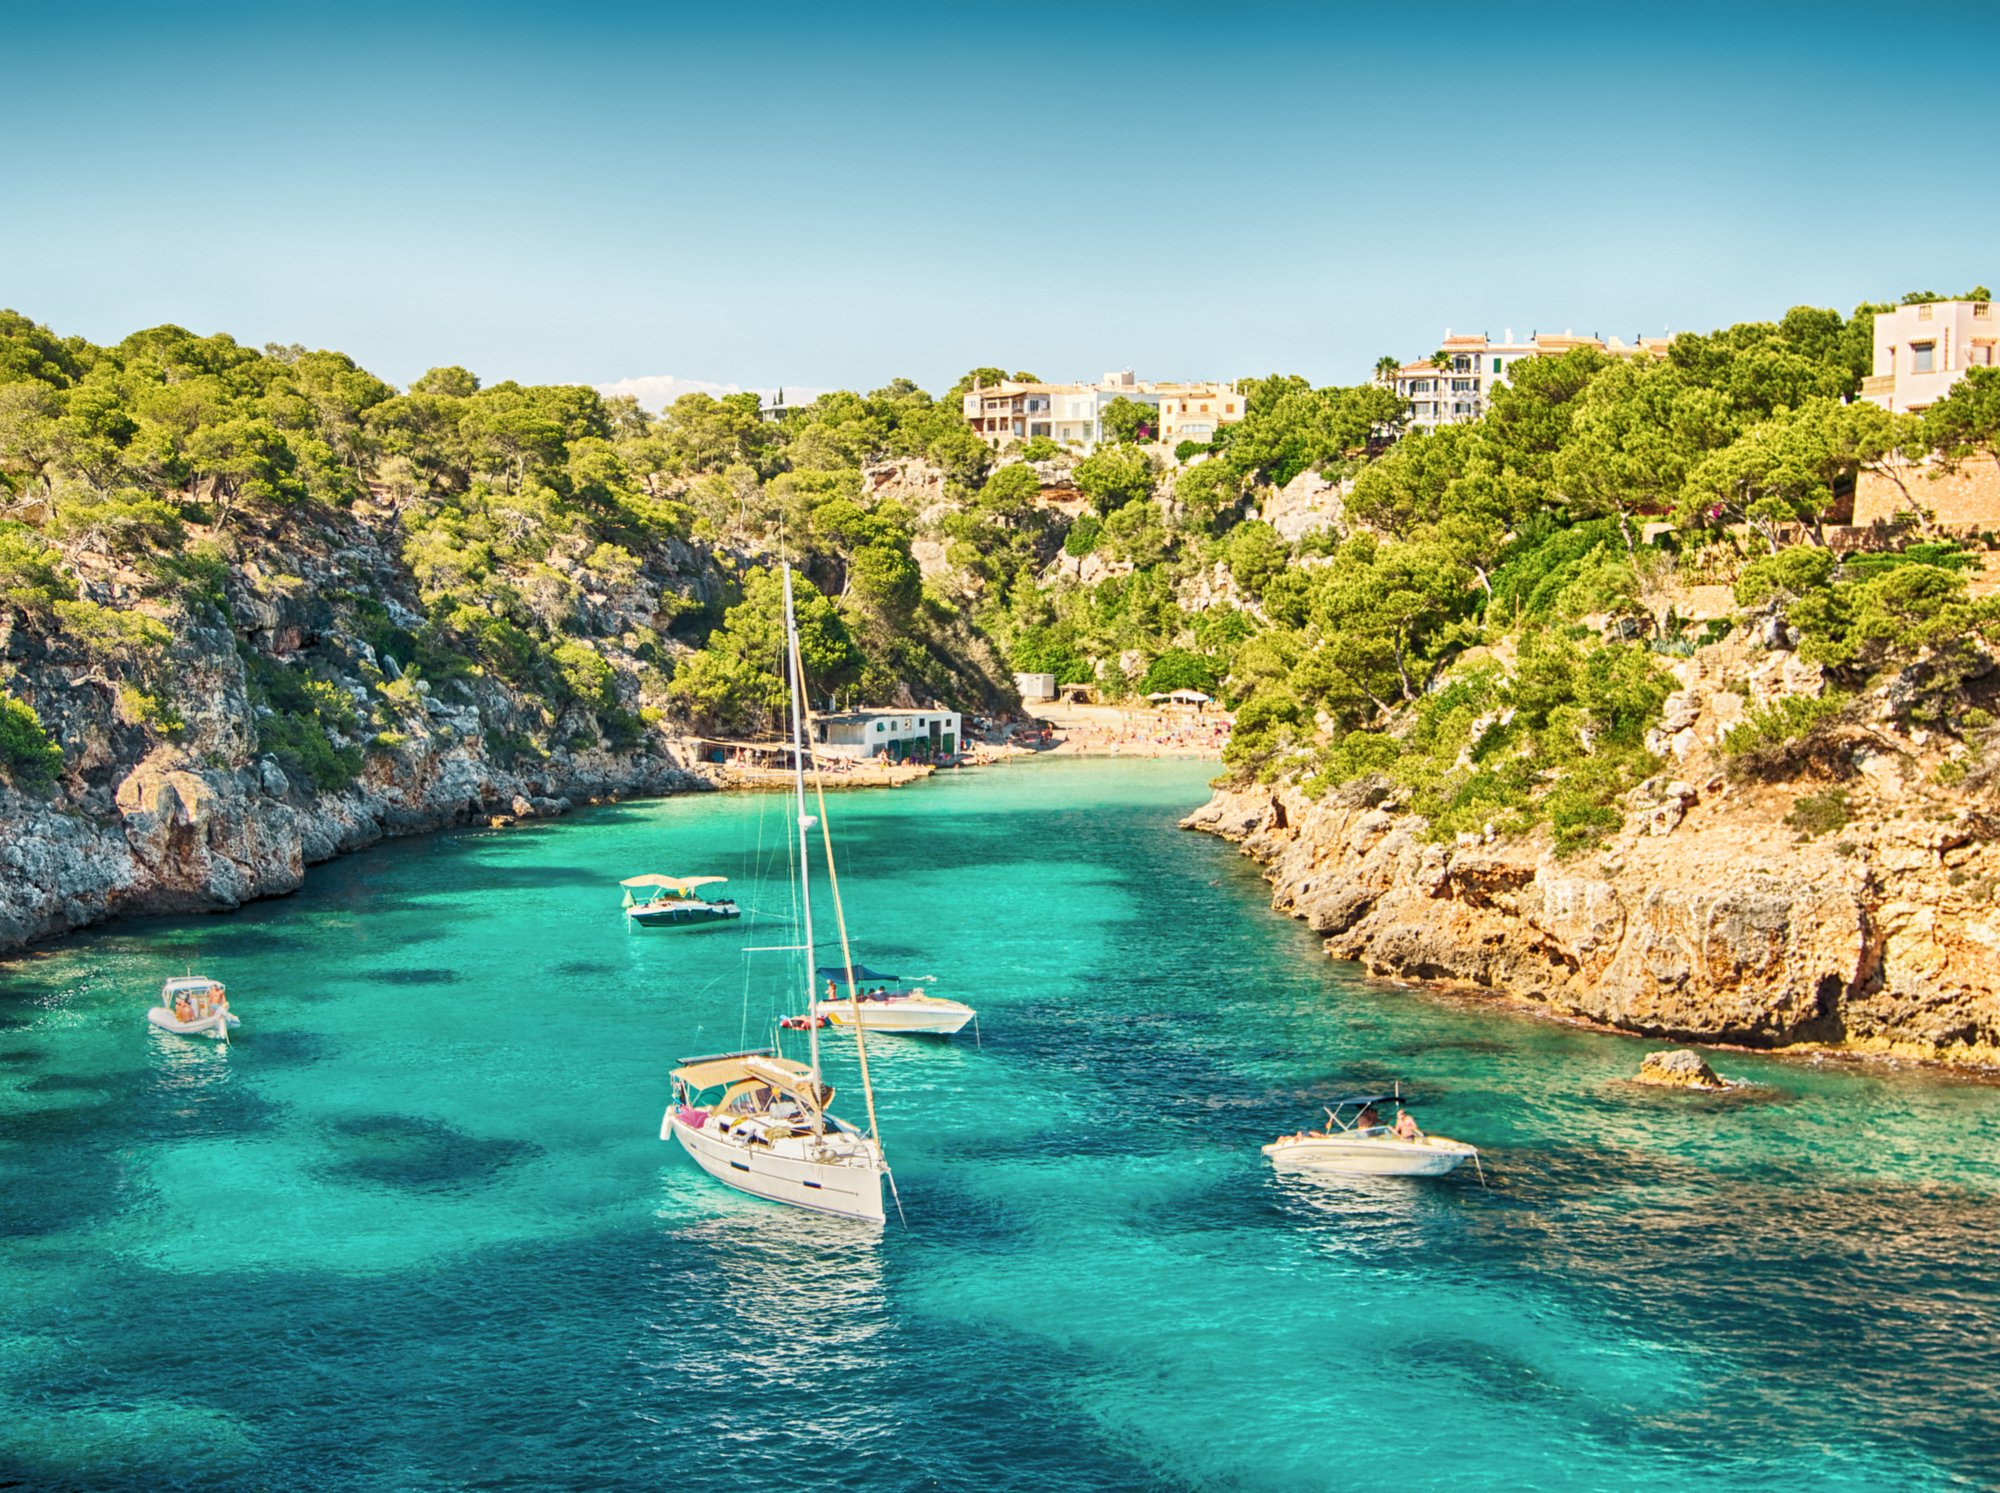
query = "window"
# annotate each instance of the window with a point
(1924, 312)
(1497, 365)
(1923, 357)
(1229, 409)
(1982, 310)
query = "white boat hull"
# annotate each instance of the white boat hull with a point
(1371, 1156)
(938, 1018)
(217, 1025)
(850, 1188)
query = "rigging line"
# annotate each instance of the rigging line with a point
(798, 706)
(840, 921)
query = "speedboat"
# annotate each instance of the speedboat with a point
(673, 903)
(1356, 1143)
(875, 1007)
(206, 1003)
(769, 1134)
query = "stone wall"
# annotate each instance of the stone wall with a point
(1968, 497)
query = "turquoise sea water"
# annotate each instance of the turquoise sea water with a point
(416, 1229)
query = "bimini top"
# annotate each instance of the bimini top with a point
(763, 1066)
(862, 973)
(1364, 1100)
(681, 884)
(189, 982)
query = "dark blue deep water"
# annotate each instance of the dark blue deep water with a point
(416, 1230)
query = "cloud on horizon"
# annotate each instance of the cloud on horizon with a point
(655, 391)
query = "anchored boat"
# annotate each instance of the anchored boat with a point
(194, 1006)
(769, 1131)
(878, 1008)
(1357, 1143)
(672, 902)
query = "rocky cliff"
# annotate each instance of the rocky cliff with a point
(1722, 911)
(168, 803)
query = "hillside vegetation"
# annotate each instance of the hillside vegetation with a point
(1475, 618)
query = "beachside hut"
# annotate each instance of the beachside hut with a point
(900, 735)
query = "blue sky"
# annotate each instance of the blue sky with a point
(825, 196)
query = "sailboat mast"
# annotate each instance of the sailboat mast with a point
(797, 692)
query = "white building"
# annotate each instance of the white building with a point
(895, 734)
(1922, 350)
(1035, 686)
(1459, 389)
(1073, 414)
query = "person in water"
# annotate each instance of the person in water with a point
(1406, 1126)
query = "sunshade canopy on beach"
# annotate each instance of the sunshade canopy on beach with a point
(862, 973)
(673, 883)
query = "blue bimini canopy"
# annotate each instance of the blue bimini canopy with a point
(862, 973)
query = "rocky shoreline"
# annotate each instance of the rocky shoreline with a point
(180, 838)
(1720, 929)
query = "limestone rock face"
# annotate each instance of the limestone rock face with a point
(1306, 503)
(1679, 1070)
(167, 803)
(1723, 930)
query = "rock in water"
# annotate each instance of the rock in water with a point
(1681, 1069)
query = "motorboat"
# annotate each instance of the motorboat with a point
(769, 1131)
(671, 902)
(1357, 1143)
(194, 1006)
(873, 1004)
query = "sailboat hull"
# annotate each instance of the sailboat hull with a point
(851, 1189)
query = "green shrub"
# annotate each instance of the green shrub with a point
(29, 578)
(1781, 723)
(1180, 668)
(156, 712)
(29, 758)
(103, 631)
(585, 676)
(301, 742)
(1083, 535)
(1817, 813)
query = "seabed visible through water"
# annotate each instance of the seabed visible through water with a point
(416, 1229)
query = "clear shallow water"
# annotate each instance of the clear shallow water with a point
(416, 1230)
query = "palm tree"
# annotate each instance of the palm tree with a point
(1386, 369)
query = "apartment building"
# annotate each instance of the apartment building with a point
(1073, 414)
(1922, 350)
(1458, 389)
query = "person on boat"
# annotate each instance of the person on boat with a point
(1406, 1126)
(182, 1010)
(1369, 1119)
(831, 993)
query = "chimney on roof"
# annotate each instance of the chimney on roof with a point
(1510, 334)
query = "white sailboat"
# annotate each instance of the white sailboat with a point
(769, 1130)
